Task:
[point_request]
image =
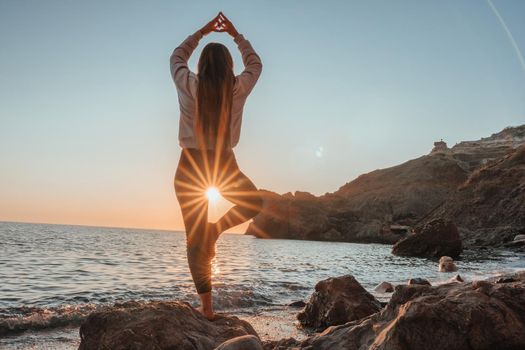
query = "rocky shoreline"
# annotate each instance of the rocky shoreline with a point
(479, 185)
(487, 314)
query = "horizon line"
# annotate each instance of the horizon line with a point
(102, 226)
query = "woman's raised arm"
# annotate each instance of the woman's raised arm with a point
(250, 58)
(179, 59)
(252, 65)
(180, 56)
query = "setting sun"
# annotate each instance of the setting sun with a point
(213, 194)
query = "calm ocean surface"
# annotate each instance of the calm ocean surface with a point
(53, 275)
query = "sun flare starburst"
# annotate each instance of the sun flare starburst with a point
(199, 186)
(213, 194)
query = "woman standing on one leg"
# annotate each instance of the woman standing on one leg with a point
(211, 104)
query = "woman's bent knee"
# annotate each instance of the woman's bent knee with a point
(256, 205)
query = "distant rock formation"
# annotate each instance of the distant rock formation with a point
(300, 216)
(473, 154)
(380, 206)
(384, 205)
(435, 239)
(439, 146)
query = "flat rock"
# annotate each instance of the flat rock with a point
(336, 301)
(158, 325)
(457, 278)
(418, 281)
(505, 280)
(384, 287)
(435, 239)
(516, 243)
(244, 342)
(298, 303)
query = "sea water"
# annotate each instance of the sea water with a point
(52, 276)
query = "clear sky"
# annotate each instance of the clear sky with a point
(89, 114)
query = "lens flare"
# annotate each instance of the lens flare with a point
(213, 194)
(509, 34)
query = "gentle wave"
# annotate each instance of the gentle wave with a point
(20, 319)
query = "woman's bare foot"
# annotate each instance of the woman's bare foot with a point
(210, 315)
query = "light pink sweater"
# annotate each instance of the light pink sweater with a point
(186, 82)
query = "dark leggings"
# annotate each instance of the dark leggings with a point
(197, 170)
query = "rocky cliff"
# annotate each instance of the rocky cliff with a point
(489, 208)
(383, 205)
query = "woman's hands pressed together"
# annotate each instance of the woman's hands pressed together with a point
(219, 24)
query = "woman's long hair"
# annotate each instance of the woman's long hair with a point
(214, 97)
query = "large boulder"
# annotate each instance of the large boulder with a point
(461, 316)
(336, 301)
(435, 239)
(158, 325)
